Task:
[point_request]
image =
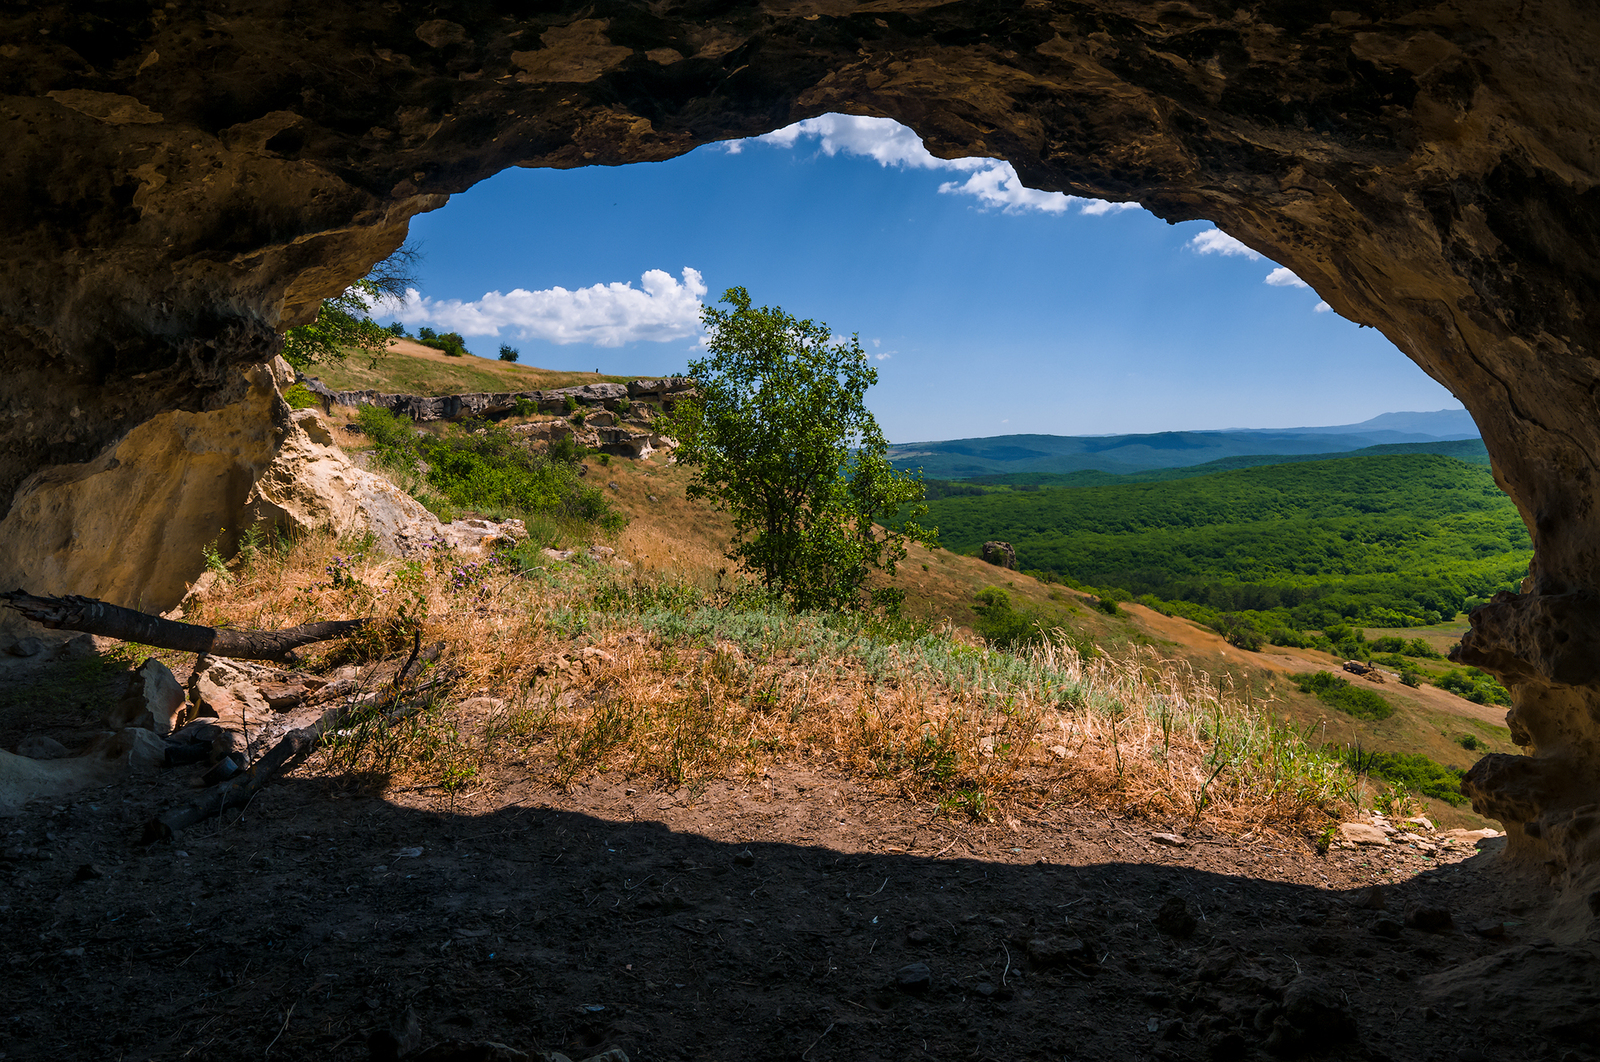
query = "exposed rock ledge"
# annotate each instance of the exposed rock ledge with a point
(182, 481)
(494, 403)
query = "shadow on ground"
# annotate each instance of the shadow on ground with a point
(319, 918)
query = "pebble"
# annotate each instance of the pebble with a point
(1171, 840)
(914, 978)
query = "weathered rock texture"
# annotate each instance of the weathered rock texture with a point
(181, 183)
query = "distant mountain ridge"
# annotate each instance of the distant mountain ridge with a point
(1125, 454)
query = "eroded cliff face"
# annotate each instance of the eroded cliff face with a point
(181, 183)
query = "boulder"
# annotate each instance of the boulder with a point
(1000, 554)
(108, 759)
(153, 700)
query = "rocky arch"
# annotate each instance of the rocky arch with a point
(180, 183)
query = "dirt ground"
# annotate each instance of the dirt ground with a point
(797, 916)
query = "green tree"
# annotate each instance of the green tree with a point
(782, 440)
(509, 352)
(344, 323)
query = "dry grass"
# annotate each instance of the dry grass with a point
(574, 669)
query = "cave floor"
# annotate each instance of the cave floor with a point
(776, 917)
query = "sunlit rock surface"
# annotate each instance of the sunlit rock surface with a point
(181, 184)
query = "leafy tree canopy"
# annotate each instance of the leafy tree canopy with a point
(344, 323)
(782, 440)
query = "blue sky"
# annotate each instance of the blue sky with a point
(989, 309)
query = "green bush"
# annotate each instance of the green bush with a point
(1338, 693)
(480, 467)
(1419, 774)
(509, 353)
(450, 343)
(1003, 626)
(301, 397)
(1477, 686)
(1108, 605)
(572, 404)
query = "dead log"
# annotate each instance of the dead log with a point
(91, 616)
(290, 750)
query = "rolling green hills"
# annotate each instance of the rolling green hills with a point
(1388, 540)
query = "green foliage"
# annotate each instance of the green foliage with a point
(1352, 700)
(781, 438)
(1475, 685)
(1109, 606)
(1387, 541)
(482, 468)
(344, 323)
(1240, 630)
(299, 396)
(1410, 771)
(450, 343)
(525, 407)
(509, 352)
(1002, 625)
(572, 404)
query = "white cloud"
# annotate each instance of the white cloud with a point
(1321, 307)
(1098, 207)
(884, 355)
(1282, 277)
(992, 182)
(1215, 241)
(997, 185)
(607, 315)
(877, 342)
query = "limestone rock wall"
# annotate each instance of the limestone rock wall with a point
(182, 183)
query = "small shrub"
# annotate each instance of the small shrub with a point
(525, 407)
(1416, 773)
(301, 397)
(572, 404)
(509, 353)
(1338, 693)
(1475, 685)
(1471, 743)
(1001, 625)
(1109, 607)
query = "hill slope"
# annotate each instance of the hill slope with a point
(1124, 454)
(1398, 539)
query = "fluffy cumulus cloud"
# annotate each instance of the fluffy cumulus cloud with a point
(1283, 278)
(1321, 307)
(660, 309)
(993, 183)
(1215, 241)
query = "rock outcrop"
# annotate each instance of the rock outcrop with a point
(183, 183)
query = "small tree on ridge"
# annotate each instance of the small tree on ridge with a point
(782, 440)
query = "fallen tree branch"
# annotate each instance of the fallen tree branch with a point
(91, 616)
(295, 746)
(290, 750)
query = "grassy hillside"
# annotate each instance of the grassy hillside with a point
(413, 369)
(674, 541)
(1390, 541)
